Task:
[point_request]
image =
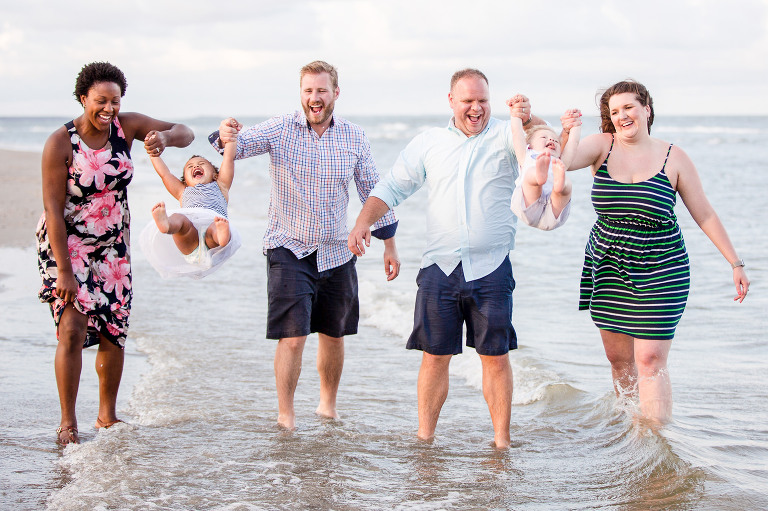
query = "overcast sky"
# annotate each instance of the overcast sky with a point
(201, 57)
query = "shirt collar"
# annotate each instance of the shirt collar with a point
(301, 119)
(452, 127)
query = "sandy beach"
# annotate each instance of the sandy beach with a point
(22, 197)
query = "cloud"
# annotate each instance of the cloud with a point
(184, 59)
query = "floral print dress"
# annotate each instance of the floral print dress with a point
(98, 221)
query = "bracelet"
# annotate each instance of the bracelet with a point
(530, 118)
(737, 264)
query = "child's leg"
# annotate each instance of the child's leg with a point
(534, 179)
(561, 188)
(184, 233)
(217, 234)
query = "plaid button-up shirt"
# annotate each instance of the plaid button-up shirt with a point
(310, 178)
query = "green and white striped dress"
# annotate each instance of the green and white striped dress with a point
(636, 274)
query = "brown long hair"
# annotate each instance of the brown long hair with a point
(628, 85)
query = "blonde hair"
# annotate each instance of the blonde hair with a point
(317, 67)
(530, 132)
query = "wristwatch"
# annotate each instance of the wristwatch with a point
(738, 263)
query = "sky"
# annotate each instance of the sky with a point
(190, 58)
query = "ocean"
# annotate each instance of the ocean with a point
(198, 392)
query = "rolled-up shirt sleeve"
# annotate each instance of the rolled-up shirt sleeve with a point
(406, 177)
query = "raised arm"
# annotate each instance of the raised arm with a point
(591, 151)
(571, 121)
(227, 169)
(518, 132)
(692, 192)
(172, 183)
(156, 134)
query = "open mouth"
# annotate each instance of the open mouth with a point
(316, 109)
(198, 173)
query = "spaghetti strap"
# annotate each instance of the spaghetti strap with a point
(604, 166)
(665, 159)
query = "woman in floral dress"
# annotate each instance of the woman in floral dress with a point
(83, 236)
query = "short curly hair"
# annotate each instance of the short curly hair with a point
(97, 72)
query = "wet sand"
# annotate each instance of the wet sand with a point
(21, 197)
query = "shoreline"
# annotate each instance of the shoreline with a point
(22, 197)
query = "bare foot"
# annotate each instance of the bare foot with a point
(287, 422)
(558, 172)
(542, 167)
(327, 411)
(161, 217)
(221, 226)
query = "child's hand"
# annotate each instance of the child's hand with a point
(154, 143)
(570, 119)
(228, 130)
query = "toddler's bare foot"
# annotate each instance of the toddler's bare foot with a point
(161, 217)
(542, 167)
(222, 230)
(558, 172)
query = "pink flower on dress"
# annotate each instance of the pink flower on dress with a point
(103, 213)
(94, 165)
(78, 252)
(119, 128)
(124, 164)
(115, 273)
(85, 299)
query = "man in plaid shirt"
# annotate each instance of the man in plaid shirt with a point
(312, 282)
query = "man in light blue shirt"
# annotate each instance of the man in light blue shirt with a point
(469, 168)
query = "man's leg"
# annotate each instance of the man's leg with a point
(432, 392)
(330, 362)
(497, 389)
(287, 371)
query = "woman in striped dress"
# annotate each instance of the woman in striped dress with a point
(636, 274)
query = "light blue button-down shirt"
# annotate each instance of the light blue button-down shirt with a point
(470, 182)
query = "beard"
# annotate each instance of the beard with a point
(320, 118)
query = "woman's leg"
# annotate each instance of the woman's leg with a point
(620, 350)
(109, 367)
(68, 364)
(654, 384)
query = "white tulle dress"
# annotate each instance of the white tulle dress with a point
(163, 254)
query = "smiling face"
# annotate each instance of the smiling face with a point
(545, 139)
(198, 171)
(102, 104)
(469, 100)
(628, 116)
(318, 97)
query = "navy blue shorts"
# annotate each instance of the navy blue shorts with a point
(303, 300)
(444, 304)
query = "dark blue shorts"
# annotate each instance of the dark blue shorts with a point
(303, 300)
(444, 304)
